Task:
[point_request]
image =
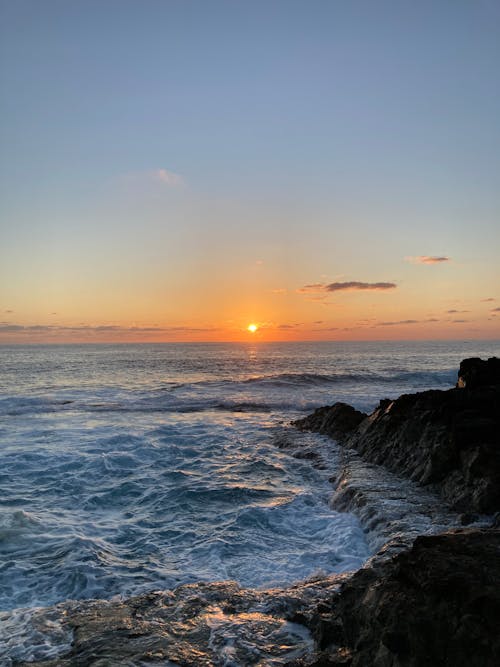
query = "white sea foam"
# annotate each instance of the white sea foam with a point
(254, 633)
(32, 634)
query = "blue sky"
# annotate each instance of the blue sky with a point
(319, 138)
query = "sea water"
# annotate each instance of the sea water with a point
(128, 468)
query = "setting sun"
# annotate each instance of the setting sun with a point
(252, 328)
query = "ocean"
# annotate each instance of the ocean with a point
(130, 468)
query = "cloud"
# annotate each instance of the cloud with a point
(7, 328)
(482, 301)
(453, 310)
(280, 290)
(169, 178)
(428, 259)
(142, 181)
(356, 285)
(9, 312)
(308, 289)
(402, 322)
(345, 286)
(495, 310)
(97, 329)
(318, 297)
(391, 324)
(459, 321)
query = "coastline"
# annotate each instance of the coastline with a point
(419, 542)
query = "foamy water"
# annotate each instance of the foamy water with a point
(130, 468)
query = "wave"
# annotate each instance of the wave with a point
(261, 393)
(301, 379)
(187, 405)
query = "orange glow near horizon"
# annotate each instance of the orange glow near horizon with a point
(302, 311)
(343, 328)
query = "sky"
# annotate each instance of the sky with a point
(175, 170)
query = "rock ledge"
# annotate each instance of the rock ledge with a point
(449, 439)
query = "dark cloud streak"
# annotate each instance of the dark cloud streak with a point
(351, 285)
(356, 285)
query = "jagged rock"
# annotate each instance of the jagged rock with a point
(337, 421)
(436, 604)
(450, 439)
(475, 373)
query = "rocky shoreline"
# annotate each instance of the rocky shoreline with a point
(416, 471)
(435, 601)
(445, 439)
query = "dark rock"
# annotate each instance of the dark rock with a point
(436, 604)
(337, 421)
(450, 439)
(475, 372)
(446, 438)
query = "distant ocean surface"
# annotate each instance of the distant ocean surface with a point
(127, 468)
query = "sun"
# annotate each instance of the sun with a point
(252, 328)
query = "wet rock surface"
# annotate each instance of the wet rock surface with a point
(337, 421)
(194, 625)
(450, 439)
(392, 510)
(436, 604)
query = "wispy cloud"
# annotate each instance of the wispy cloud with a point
(352, 285)
(144, 180)
(311, 289)
(482, 301)
(428, 259)
(279, 290)
(6, 327)
(495, 310)
(392, 324)
(319, 298)
(169, 178)
(356, 285)
(453, 310)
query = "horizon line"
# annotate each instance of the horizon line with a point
(260, 341)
